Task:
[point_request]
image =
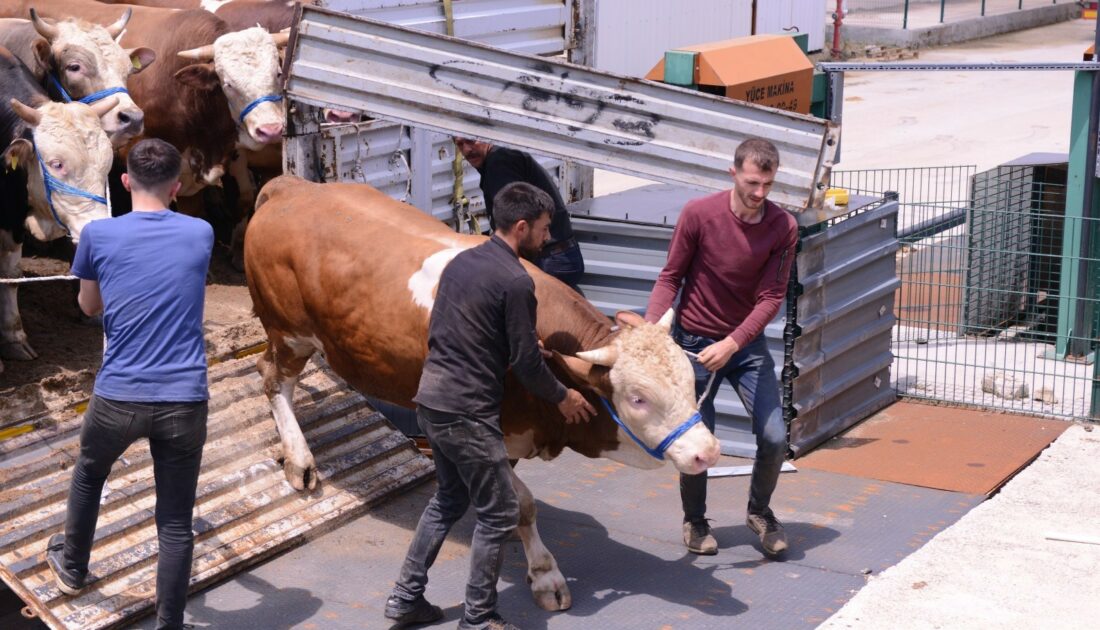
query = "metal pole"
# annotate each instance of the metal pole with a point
(1080, 333)
(942, 4)
(905, 16)
(838, 19)
(983, 8)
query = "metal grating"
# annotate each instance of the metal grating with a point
(245, 510)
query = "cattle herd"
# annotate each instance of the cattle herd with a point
(82, 80)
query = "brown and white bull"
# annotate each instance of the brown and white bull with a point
(84, 60)
(344, 270)
(54, 159)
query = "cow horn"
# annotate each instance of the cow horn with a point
(114, 29)
(605, 356)
(101, 107)
(49, 31)
(666, 320)
(29, 114)
(281, 39)
(202, 53)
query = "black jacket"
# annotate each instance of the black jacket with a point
(503, 166)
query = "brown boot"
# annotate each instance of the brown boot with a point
(698, 539)
(772, 537)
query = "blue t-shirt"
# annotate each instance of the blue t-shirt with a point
(151, 268)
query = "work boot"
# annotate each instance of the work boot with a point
(405, 613)
(772, 537)
(55, 557)
(698, 539)
(493, 622)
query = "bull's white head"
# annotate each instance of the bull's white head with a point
(74, 149)
(652, 387)
(86, 59)
(246, 65)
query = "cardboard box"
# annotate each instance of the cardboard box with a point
(763, 69)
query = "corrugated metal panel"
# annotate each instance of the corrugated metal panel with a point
(843, 319)
(780, 16)
(245, 510)
(633, 36)
(552, 108)
(535, 27)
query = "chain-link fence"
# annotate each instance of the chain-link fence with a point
(998, 304)
(923, 13)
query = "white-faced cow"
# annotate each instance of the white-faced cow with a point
(346, 271)
(53, 174)
(208, 80)
(78, 61)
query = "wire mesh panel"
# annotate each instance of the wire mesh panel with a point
(925, 13)
(987, 266)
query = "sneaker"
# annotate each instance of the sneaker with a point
(770, 530)
(698, 539)
(55, 558)
(405, 613)
(493, 622)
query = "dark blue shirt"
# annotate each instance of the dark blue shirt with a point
(151, 268)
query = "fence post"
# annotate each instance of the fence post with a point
(905, 16)
(942, 4)
(983, 8)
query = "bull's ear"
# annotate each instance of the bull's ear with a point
(586, 374)
(200, 76)
(605, 356)
(18, 154)
(42, 58)
(629, 319)
(141, 58)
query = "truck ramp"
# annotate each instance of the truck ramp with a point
(245, 510)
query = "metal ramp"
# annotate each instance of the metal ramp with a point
(245, 511)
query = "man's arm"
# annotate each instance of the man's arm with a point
(91, 302)
(526, 358)
(681, 251)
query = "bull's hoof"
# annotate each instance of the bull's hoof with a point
(19, 350)
(550, 590)
(301, 477)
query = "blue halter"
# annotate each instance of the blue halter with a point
(52, 185)
(270, 98)
(659, 452)
(89, 99)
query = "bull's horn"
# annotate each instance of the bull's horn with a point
(281, 39)
(49, 31)
(666, 320)
(29, 114)
(114, 29)
(101, 107)
(202, 53)
(605, 356)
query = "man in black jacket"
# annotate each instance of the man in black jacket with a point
(482, 324)
(500, 166)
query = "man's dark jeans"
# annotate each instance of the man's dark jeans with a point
(751, 372)
(471, 466)
(567, 266)
(177, 433)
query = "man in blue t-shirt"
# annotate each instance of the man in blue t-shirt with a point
(146, 272)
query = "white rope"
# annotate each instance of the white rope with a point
(37, 279)
(710, 383)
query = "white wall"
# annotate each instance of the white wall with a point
(633, 35)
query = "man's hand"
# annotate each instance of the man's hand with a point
(546, 354)
(575, 408)
(718, 354)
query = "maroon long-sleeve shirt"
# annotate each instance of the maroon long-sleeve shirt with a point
(734, 273)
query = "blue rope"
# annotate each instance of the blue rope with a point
(659, 452)
(52, 185)
(270, 98)
(89, 99)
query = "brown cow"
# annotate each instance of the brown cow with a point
(345, 270)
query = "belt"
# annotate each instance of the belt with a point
(559, 247)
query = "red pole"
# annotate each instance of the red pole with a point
(838, 18)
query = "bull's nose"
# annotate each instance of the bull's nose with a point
(271, 132)
(131, 119)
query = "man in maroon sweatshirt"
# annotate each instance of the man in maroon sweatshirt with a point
(731, 253)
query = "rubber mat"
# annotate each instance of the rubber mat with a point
(961, 450)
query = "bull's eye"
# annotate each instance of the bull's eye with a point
(637, 401)
(73, 67)
(56, 165)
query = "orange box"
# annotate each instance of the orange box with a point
(763, 69)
